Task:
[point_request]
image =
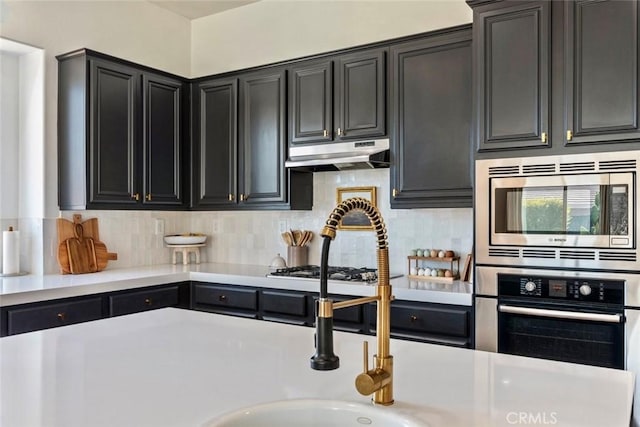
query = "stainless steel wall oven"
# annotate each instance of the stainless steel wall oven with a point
(557, 273)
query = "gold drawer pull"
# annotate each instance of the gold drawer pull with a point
(148, 197)
(136, 196)
(222, 297)
(148, 301)
(61, 316)
(413, 318)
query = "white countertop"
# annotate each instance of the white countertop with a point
(31, 288)
(175, 367)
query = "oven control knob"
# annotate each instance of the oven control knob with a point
(585, 290)
(530, 286)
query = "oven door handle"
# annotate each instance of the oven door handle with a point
(559, 314)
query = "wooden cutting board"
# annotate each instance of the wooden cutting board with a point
(87, 251)
(81, 252)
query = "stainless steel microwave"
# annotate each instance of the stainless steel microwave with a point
(572, 211)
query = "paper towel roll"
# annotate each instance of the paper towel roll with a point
(10, 252)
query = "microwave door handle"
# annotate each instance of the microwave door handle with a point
(559, 314)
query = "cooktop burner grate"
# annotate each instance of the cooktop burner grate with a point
(334, 273)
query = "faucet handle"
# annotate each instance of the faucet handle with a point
(365, 358)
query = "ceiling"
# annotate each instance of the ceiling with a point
(199, 8)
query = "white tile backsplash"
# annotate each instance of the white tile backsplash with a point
(254, 237)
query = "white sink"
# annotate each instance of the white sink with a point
(315, 413)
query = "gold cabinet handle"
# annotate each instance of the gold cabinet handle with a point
(339, 131)
(544, 137)
(148, 197)
(136, 196)
(61, 316)
(231, 197)
(148, 301)
(569, 135)
(222, 298)
(413, 318)
(325, 133)
(395, 192)
(244, 197)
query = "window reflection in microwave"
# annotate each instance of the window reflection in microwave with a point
(576, 209)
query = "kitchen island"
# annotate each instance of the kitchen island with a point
(174, 367)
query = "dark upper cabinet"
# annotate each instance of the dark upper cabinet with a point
(162, 136)
(119, 135)
(262, 134)
(562, 76)
(215, 162)
(361, 94)
(113, 133)
(240, 145)
(512, 72)
(601, 72)
(311, 102)
(431, 121)
(338, 98)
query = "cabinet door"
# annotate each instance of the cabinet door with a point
(215, 135)
(285, 307)
(143, 300)
(602, 71)
(162, 136)
(431, 115)
(113, 132)
(311, 102)
(53, 314)
(361, 95)
(235, 300)
(512, 70)
(262, 138)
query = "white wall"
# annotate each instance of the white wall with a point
(276, 30)
(9, 124)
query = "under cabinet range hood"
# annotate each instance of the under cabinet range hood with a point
(362, 154)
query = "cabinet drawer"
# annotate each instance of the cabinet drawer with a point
(29, 319)
(149, 299)
(294, 304)
(230, 297)
(430, 320)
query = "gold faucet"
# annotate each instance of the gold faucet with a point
(378, 380)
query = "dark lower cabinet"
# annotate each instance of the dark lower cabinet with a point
(428, 322)
(286, 307)
(134, 301)
(225, 299)
(431, 122)
(50, 314)
(418, 321)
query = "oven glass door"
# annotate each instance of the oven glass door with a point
(557, 333)
(590, 210)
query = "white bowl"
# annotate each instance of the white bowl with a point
(185, 239)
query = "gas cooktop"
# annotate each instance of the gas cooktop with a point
(349, 274)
